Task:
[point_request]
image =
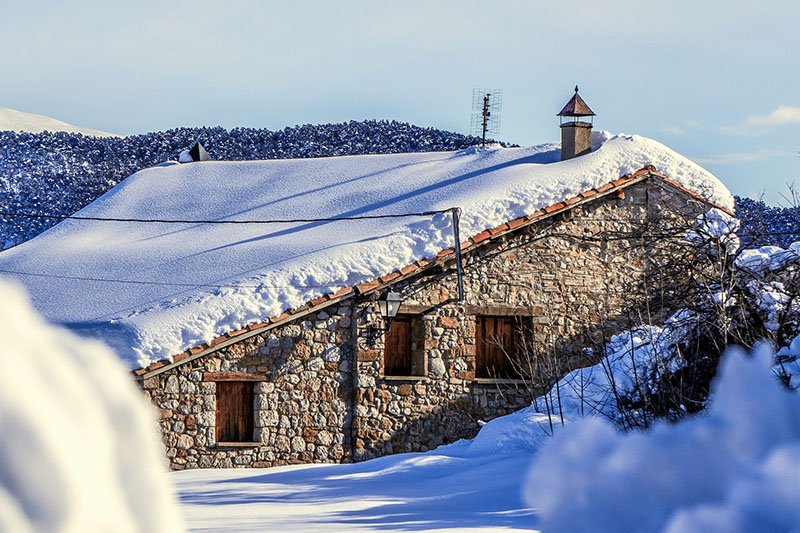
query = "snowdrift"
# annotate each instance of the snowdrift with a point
(734, 468)
(78, 444)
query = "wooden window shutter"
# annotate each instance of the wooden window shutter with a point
(397, 348)
(496, 339)
(235, 417)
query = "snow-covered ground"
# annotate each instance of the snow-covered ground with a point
(734, 468)
(435, 491)
(13, 120)
(153, 290)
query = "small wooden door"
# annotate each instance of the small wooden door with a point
(235, 418)
(397, 348)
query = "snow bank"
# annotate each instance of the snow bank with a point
(78, 447)
(152, 291)
(734, 468)
(634, 361)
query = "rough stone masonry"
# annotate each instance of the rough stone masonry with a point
(320, 390)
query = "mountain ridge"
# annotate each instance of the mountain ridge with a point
(21, 121)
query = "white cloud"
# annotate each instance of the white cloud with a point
(733, 158)
(683, 127)
(755, 124)
(783, 115)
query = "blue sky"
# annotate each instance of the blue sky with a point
(719, 82)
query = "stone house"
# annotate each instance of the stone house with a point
(401, 359)
(325, 382)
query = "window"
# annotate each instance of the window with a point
(235, 415)
(498, 343)
(403, 352)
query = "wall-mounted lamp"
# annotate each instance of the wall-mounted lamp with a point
(388, 306)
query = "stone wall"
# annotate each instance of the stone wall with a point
(575, 280)
(302, 409)
(323, 395)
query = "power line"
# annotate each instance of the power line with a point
(165, 283)
(184, 221)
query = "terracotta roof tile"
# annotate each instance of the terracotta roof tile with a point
(181, 356)
(555, 207)
(499, 229)
(605, 187)
(480, 237)
(217, 340)
(195, 350)
(445, 252)
(343, 291)
(390, 276)
(517, 222)
(408, 269)
(588, 194)
(367, 285)
(322, 299)
(573, 200)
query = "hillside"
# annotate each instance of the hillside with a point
(59, 173)
(19, 121)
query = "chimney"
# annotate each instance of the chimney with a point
(576, 134)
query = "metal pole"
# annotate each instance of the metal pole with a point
(456, 212)
(485, 121)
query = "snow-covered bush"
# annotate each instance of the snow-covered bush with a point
(634, 365)
(78, 444)
(732, 468)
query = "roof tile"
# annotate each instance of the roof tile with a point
(555, 207)
(480, 237)
(408, 269)
(517, 222)
(322, 299)
(390, 276)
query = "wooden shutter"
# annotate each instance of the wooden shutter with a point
(397, 348)
(235, 411)
(496, 340)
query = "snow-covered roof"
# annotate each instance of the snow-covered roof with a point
(155, 290)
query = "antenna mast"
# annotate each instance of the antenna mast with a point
(486, 106)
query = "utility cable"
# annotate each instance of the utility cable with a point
(183, 221)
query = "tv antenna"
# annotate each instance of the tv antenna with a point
(486, 107)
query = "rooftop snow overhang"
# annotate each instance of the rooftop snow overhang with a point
(448, 254)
